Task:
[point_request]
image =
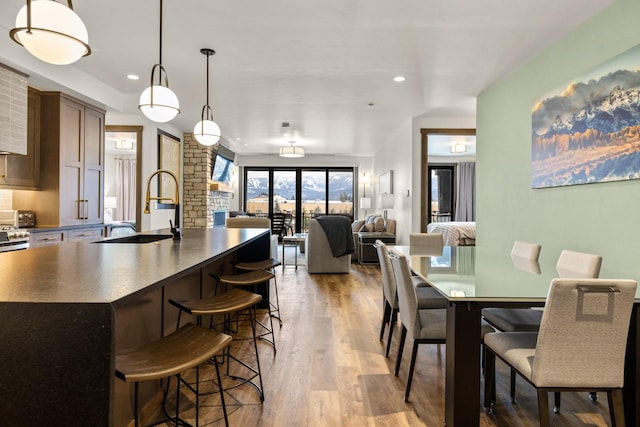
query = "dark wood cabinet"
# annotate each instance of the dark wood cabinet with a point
(23, 171)
(72, 162)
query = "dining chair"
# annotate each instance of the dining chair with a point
(516, 319)
(423, 326)
(570, 264)
(426, 244)
(580, 346)
(426, 295)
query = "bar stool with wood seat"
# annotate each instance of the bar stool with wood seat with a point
(255, 279)
(268, 265)
(226, 304)
(188, 347)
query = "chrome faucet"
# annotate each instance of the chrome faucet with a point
(175, 228)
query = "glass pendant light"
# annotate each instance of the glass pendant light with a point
(52, 32)
(206, 131)
(158, 102)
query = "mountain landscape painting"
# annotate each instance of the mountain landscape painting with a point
(589, 130)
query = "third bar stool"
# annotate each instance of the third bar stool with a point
(254, 279)
(268, 265)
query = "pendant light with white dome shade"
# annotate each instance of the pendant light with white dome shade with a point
(158, 103)
(52, 32)
(206, 131)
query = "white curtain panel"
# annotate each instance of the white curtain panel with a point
(466, 199)
(125, 190)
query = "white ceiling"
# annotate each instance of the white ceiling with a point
(326, 67)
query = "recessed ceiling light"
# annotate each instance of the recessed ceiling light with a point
(398, 79)
(133, 77)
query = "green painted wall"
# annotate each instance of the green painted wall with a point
(597, 218)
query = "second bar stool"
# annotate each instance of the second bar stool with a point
(225, 304)
(253, 279)
(268, 265)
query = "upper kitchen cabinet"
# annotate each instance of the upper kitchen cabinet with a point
(13, 111)
(23, 171)
(72, 162)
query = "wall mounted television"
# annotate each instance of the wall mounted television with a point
(222, 160)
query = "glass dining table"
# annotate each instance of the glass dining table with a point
(472, 278)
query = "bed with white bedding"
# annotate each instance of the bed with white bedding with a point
(455, 233)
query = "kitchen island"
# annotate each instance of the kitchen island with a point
(67, 309)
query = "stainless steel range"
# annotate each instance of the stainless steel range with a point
(11, 237)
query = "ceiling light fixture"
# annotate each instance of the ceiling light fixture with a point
(291, 151)
(158, 102)
(133, 77)
(399, 79)
(206, 131)
(124, 144)
(51, 32)
(459, 147)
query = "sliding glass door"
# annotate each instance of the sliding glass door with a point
(301, 192)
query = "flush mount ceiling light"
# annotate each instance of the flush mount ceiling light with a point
(459, 147)
(399, 79)
(158, 102)
(124, 144)
(291, 151)
(206, 131)
(51, 32)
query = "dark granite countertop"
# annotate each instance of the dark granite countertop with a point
(86, 272)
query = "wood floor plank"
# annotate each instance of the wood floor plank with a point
(330, 368)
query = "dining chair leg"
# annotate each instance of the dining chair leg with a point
(556, 402)
(543, 408)
(385, 317)
(392, 326)
(489, 378)
(414, 353)
(616, 407)
(512, 387)
(403, 336)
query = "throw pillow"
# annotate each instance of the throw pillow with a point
(368, 228)
(357, 225)
(378, 225)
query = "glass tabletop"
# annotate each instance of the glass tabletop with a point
(471, 273)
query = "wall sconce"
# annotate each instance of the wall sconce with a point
(365, 203)
(51, 32)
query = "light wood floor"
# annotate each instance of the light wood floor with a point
(330, 368)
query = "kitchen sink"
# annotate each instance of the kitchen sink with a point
(138, 238)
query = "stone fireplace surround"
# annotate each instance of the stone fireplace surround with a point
(199, 203)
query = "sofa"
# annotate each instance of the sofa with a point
(318, 255)
(372, 226)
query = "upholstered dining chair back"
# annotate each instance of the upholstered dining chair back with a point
(248, 222)
(578, 265)
(583, 333)
(407, 299)
(426, 244)
(526, 250)
(388, 281)
(254, 222)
